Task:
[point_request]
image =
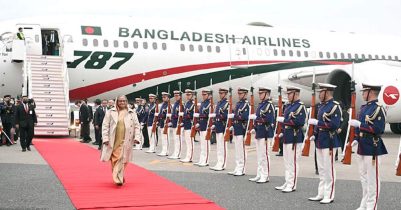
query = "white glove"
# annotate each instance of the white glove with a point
(312, 138)
(182, 124)
(231, 128)
(212, 127)
(168, 115)
(196, 114)
(170, 124)
(181, 114)
(313, 121)
(142, 124)
(355, 123)
(253, 131)
(156, 114)
(281, 135)
(230, 116)
(197, 125)
(252, 116)
(280, 119)
(212, 115)
(354, 143)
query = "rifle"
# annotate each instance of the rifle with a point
(156, 111)
(178, 132)
(230, 101)
(250, 122)
(194, 120)
(165, 131)
(309, 129)
(398, 173)
(210, 121)
(351, 129)
(280, 113)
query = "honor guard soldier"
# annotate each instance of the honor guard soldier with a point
(187, 120)
(175, 114)
(240, 119)
(219, 123)
(203, 115)
(293, 121)
(150, 120)
(263, 127)
(369, 126)
(326, 139)
(7, 115)
(141, 113)
(162, 116)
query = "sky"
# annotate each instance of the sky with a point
(359, 16)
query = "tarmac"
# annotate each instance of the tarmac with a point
(27, 181)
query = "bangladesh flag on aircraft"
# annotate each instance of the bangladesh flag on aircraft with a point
(91, 30)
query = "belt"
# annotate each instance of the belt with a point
(237, 121)
(290, 127)
(369, 135)
(217, 120)
(259, 123)
(202, 119)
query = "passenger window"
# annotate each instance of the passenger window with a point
(145, 45)
(164, 46)
(328, 55)
(275, 52)
(37, 38)
(85, 42)
(105, 43)
(320, 54)
(135, 45)
(370, 57)
(389, 57)
(313, 54)
(335, 55)
(244, 51)
(383, 57)
(200, 48)
(396, 58)
(125, 44)
(191, 48)
(209, 48)
(95, 43)
(267, 51)
(376, 57)
(349, 56)
(259, 51)
(115, 43)
(217, 49)
(283, 52)
(298, 53)
(154, 45)
(342, 56)
(356, 56)
(306, 54)
(363, 56)
(182, 46)
(291, 53)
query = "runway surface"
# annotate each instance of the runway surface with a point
(29, 183)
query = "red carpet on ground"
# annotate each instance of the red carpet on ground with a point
(89, 182)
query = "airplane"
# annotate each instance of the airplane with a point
(103, 56)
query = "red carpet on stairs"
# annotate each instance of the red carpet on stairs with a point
(89, 182)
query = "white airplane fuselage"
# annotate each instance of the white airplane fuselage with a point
(122, 55)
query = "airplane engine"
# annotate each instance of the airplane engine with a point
(386, 73)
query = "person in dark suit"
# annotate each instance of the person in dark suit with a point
(84, 121)
(97, 103)
(7, 112)
(25, 120)
(90, 112)
(53, 41)
(45, 44)
(99, 116)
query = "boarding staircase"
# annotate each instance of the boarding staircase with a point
(46, 80)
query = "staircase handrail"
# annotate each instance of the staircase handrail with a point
(66, 79)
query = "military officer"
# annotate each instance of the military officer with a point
(162, 116)
(240, 119)
(263, 127)
(293, 121)
(369, 126)
(7, 115)
(203, 115)
(326, 136)
(176, 112)
(219, 123)
(150, 119)
(141, 113)
(187, 120)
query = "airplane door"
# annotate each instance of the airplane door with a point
(239, 54)
(33, 38)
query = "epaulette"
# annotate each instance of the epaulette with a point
(270, 102)
(335, 102)
(379, 104)
(246, 101)
(302, 103)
